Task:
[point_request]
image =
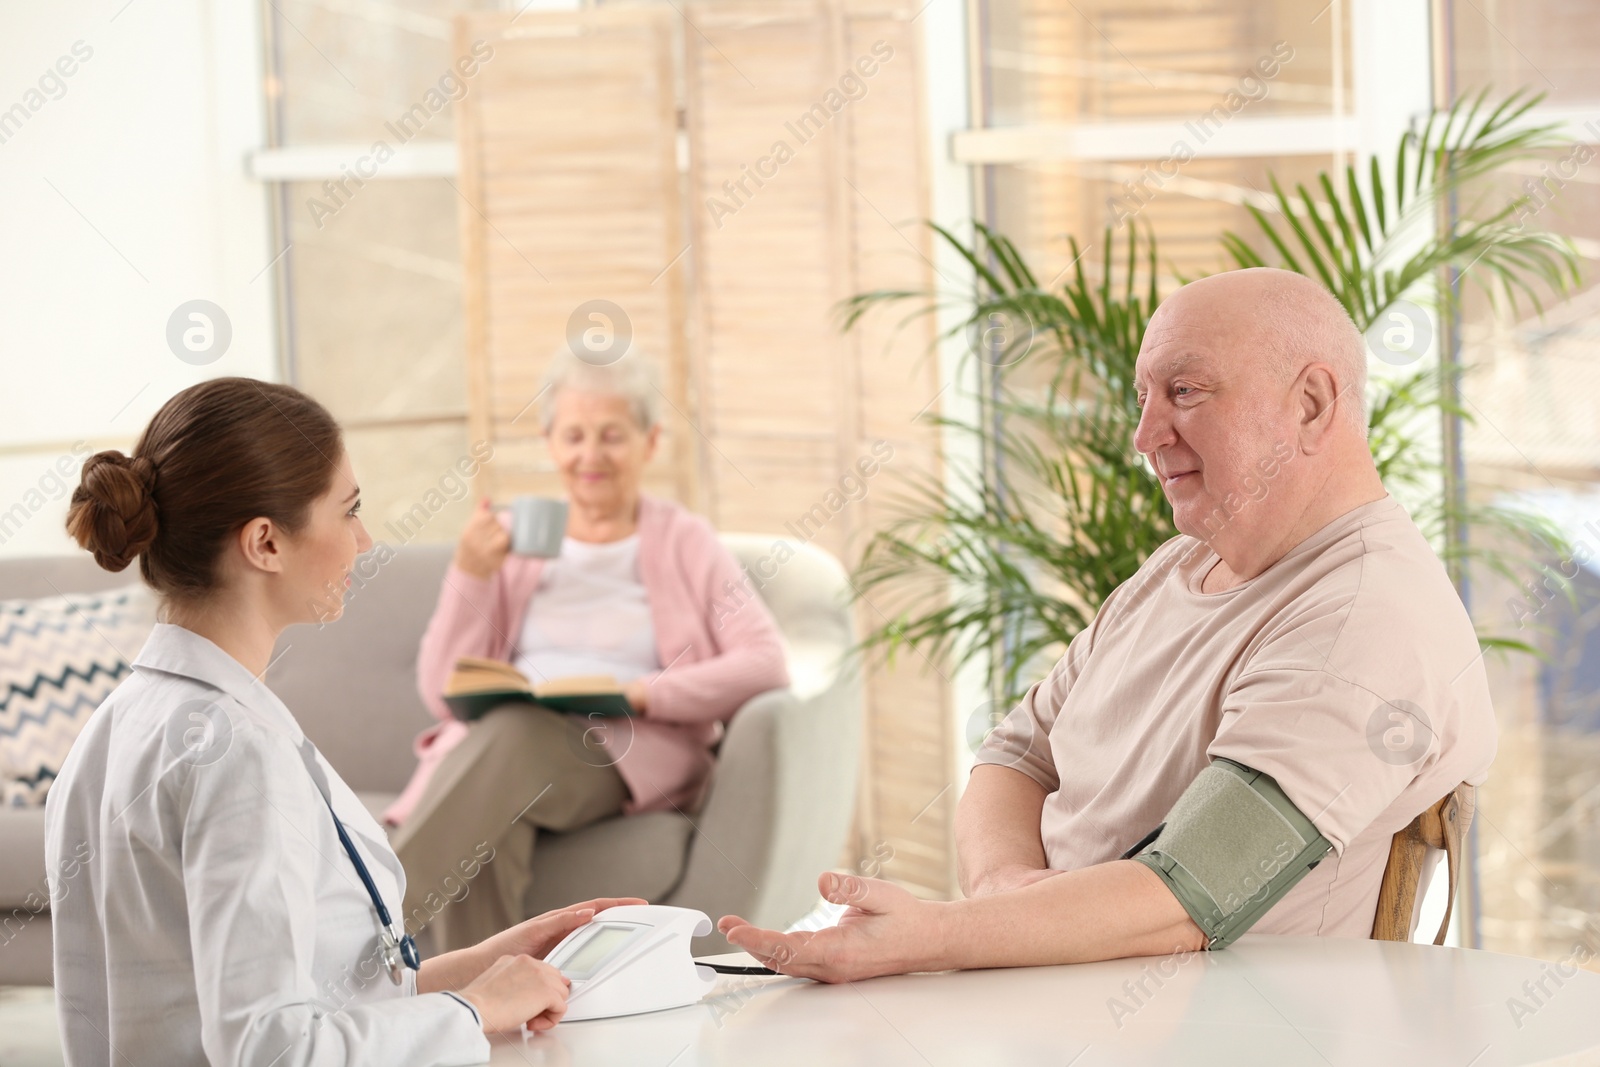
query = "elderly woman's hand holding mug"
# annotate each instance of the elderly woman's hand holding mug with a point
(484, 543)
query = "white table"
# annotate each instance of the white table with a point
(1266, 1000)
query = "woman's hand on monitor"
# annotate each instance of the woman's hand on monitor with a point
(517, 991)
(537, 936)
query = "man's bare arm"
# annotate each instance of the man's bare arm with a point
(1107, 911)
(997, 830)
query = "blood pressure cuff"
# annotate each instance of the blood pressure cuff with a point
(1230, 848)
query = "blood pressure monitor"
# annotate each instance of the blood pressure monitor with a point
(631, 959)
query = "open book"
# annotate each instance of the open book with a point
(476, 685)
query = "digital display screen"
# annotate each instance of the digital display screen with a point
(586, 955)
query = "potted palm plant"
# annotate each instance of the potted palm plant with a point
(1025, 545)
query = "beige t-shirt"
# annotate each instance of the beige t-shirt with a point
(1348, 671)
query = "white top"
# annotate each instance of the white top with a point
(589, 615)
(202, 905)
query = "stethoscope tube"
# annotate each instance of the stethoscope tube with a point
(398, 947)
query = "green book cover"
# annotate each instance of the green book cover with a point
(470, 706)
(606, 705)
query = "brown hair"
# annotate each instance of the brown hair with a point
(215, 456)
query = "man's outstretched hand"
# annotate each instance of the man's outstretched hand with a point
(885, 931)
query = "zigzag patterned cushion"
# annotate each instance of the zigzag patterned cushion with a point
(60, 657)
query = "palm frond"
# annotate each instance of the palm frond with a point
(1374, 244)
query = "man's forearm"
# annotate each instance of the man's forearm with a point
(1108, 911)
(997, 826)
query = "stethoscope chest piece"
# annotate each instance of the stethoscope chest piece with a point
(399, 954)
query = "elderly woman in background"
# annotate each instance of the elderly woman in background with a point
(637, 593)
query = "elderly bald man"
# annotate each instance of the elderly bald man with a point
(1293, 674)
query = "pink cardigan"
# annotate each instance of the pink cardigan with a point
(716, 655)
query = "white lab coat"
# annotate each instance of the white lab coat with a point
(203, 907)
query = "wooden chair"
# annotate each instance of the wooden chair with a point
(1441, 827)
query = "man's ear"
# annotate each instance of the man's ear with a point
(1318, 395)
(261, 545)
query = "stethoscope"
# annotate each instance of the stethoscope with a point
(397, 949)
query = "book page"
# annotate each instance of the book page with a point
(578, 684)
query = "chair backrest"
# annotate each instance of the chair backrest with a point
(807, 592)
(1442, 827)
(32, 577)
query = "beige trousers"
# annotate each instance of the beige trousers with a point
(467, 847)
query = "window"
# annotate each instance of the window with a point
(1534, 441)
(361, 168)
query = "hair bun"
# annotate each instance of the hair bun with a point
(113, 512)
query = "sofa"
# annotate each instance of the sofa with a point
(778, 811)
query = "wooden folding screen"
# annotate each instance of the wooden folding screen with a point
(805, 120)
(803, 182)
(569, 194)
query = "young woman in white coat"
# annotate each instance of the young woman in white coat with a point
(218, 894)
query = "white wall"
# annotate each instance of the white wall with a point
(125, 196)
